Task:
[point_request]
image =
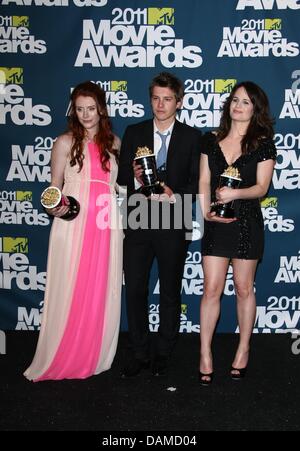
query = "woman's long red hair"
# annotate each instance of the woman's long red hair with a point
(104, 138)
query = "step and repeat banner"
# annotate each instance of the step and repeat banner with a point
(49, 46)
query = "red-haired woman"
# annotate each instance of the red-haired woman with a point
(81, 312)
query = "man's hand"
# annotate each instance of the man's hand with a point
(167, 190)
(166, 196)
(138, 172)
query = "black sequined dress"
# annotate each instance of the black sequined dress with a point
(243, 238)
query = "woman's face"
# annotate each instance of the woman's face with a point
(241, 107)
(87, 112)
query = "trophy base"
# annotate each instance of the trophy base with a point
(151, 190)
(73, 211)
(223, 211)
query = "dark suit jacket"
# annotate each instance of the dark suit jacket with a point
(182, 169)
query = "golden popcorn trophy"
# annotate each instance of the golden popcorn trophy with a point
(52, 197)
(151, 184)
(232, 179)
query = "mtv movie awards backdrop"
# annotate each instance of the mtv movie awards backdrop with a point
(48, 46)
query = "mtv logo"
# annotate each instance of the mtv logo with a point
(24, 195)
(118, 85)
(184, 309)
(272, 24)
(223, 86)
(20, 21)
(161, 16)
(15, 245)
(11, 75)
(269, 202)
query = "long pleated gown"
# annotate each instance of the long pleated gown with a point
(81, 314)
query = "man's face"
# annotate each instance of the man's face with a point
(164, 104)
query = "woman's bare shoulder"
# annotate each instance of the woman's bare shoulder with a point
(65, 139)
(63, 143)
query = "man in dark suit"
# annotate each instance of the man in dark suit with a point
(177, 150)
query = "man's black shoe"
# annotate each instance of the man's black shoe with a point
(134, 367)
(160, 365)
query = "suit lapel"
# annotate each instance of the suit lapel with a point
(174, 142)
(148, 139)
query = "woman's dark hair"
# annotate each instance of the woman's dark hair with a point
(167, 80)
(104, 138)
(261, 123)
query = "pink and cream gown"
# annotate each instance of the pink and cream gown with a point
(81, 314)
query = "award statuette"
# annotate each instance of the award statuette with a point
(52, 197)
(230, 178)
(151, 184)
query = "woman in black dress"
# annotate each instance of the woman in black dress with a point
(244, 141)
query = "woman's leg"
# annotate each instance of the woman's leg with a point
(243, 276)
(215, 270)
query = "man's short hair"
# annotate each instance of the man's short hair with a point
(167, 80)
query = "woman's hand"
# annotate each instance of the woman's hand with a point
(138, 172)
(212, 216)
(225, 195)
(59, 211)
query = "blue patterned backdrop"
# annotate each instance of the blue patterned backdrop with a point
(49, 46)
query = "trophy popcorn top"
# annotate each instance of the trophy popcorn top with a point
(52, 197)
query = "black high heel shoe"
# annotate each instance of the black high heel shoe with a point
(238, 376)
(205, 382)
